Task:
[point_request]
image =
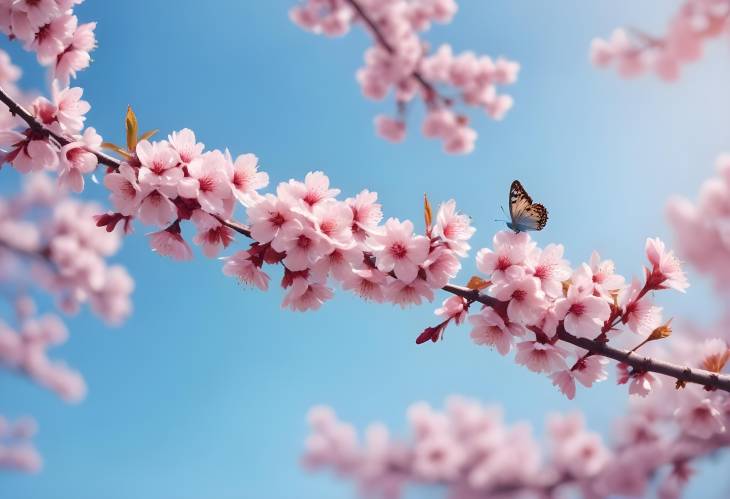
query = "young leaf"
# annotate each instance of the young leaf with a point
(477, 283)
(132, 129)
(428, 217)
(117, 149)
(148, 134)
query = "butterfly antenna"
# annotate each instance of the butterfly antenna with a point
(505, 214)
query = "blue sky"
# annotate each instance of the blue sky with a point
(203, 392)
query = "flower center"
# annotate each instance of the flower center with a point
(519, 294)
(503, 262)
(577, 309)
(207, 184)
(398, 250)
(277, 220)
(303, 242)
(311, 198)
(328, 227)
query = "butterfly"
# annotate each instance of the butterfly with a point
(524, 214)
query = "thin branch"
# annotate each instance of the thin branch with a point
(17, 110)
(639, 363)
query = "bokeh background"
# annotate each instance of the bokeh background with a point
(203, 392)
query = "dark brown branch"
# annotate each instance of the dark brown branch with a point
(17, 110)
(639, 363)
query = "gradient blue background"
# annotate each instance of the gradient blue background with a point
(203, 392)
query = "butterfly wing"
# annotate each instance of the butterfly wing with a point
(525, 215)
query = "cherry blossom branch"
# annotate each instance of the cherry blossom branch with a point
(401, 62)
(633, 52)
(639, 363)
(18, 110)
(428, 88)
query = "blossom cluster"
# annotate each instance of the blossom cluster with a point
(25, 351)
(53, 239)
(164, 182)
(62, 145)
(703, 229)
(316, 237)
(539, 298)
(633, 53)
(467, 448)
(16, 451)
(664, 433)
(50, 242)
(400, 62)
(51, 30)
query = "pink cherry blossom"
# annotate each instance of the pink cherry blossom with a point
(583, 314)
(552, 269)
(488, 328)
(640, 383)
(315, 188)
(78, 158)
(75, 56)
(565, 382)
(453, 308)
(366, 214)
(302, 244)
(390, 129)
(52, 38)
(158, 170)
(397, 249)
(170, 243)
(269, 217)
(404, 294)
(208, 182)
(185, 145)
(156, 208)
(70, 109)
(304, 295)
(603, 275)
(665, 265)
(526, 299)
(591, 370)
(540, 357)
(453, 228)
(441, 266)
(240, 266)
(641, 315)
(510, 250)
(246, 179)
(699, 415)
(212, 235)
(438, 458)
(126, 194)
(367, 283)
